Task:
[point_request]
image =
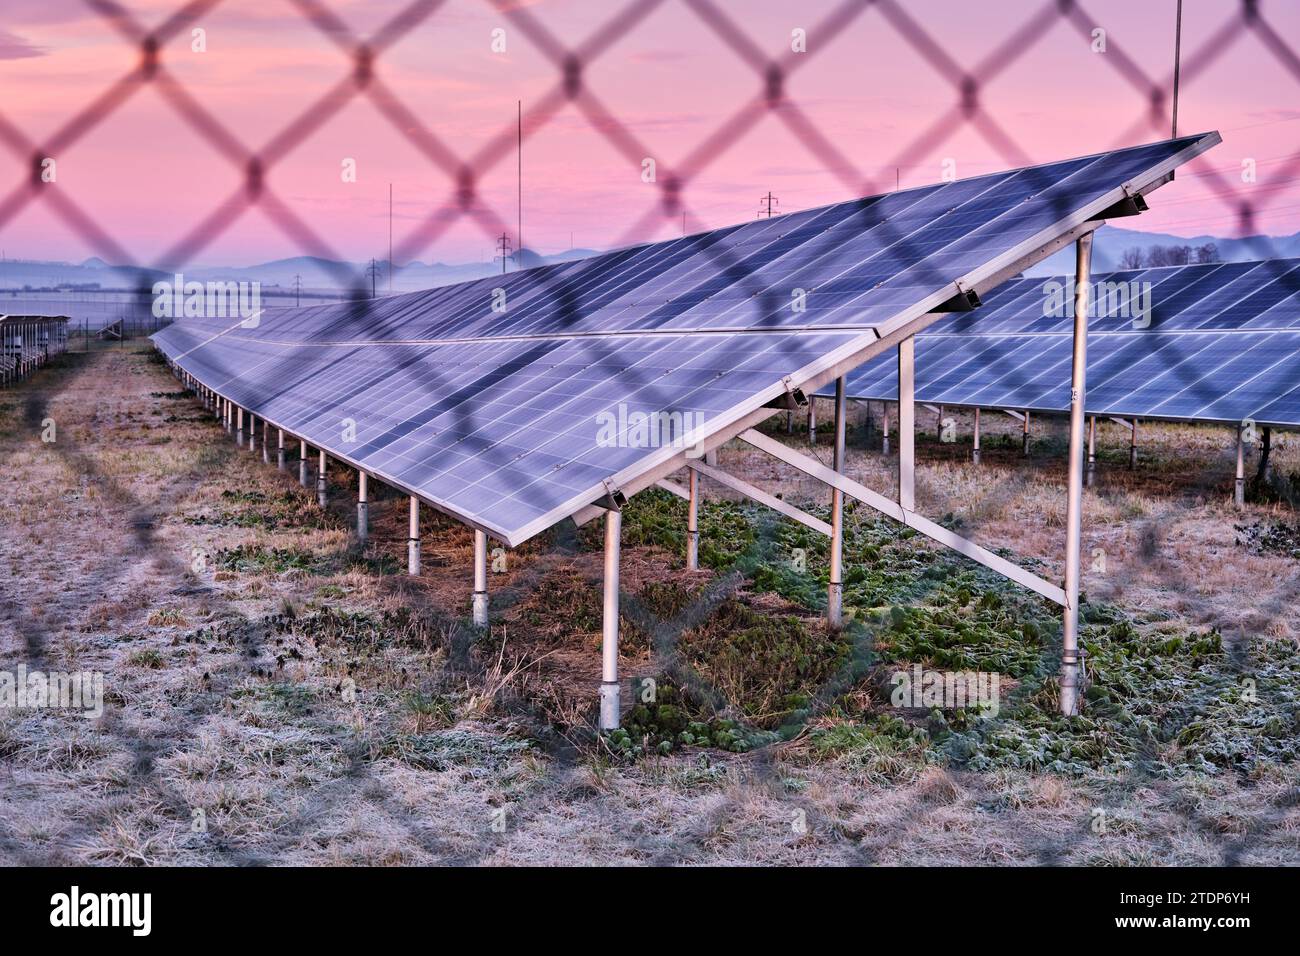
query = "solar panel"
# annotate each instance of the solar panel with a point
(1222, 345)
(502, 416)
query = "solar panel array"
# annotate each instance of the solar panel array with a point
(1215, 342)
(491, 399)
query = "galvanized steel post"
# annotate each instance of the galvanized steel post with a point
(693, 521)
(363, 507)
(835, 591)
(413, 539)
(907, 423)
(480, 579)
(320, 480)
(1069, 686)
(609, 689)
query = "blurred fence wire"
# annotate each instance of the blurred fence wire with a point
(361, 77)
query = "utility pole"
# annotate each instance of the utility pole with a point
(1178, 56)
(519, 129)
(297, 290)
(390, 238)
(765, 206)
(374, 273)
(503, 247)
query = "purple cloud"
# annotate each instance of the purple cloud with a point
(14, 47)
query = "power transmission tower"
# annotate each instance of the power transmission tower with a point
(297, 289)
(373, 272)
(504, 250)
(766, 205)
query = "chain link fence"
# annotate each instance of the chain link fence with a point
(361, 79)
(361, 58)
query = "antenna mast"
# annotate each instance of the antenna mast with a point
(1178, 49)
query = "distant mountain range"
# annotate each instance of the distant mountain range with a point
(1111, 242)
(316, 274)
(326, 275)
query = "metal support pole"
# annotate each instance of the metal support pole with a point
(609, 690)
(302, 463)
(413, 539)
(480, 579)
(1239, 494)
(266, 447)
(693, 522)
(812, 420)
(1266, 455)
(789, 422)
(1074, 505)
(252, 431)
(363, 507)
(975, 450)
(907, 423)
(1024, 451)
(835, 592)
(1092, 448)
(239, 427)
(320, 480)
(884, 422)
(938, 424)
(1133, 447)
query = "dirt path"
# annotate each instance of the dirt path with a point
(273, 695)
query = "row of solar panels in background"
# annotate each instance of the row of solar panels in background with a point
(857, 264)
(1220, 343)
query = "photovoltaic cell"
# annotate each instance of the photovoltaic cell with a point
(494, 399)
(1222, 344)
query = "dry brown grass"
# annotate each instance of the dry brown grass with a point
(452, 753)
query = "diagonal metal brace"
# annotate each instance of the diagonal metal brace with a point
(761, 496)
(893, 509)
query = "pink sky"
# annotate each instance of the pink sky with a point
(147, 178)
